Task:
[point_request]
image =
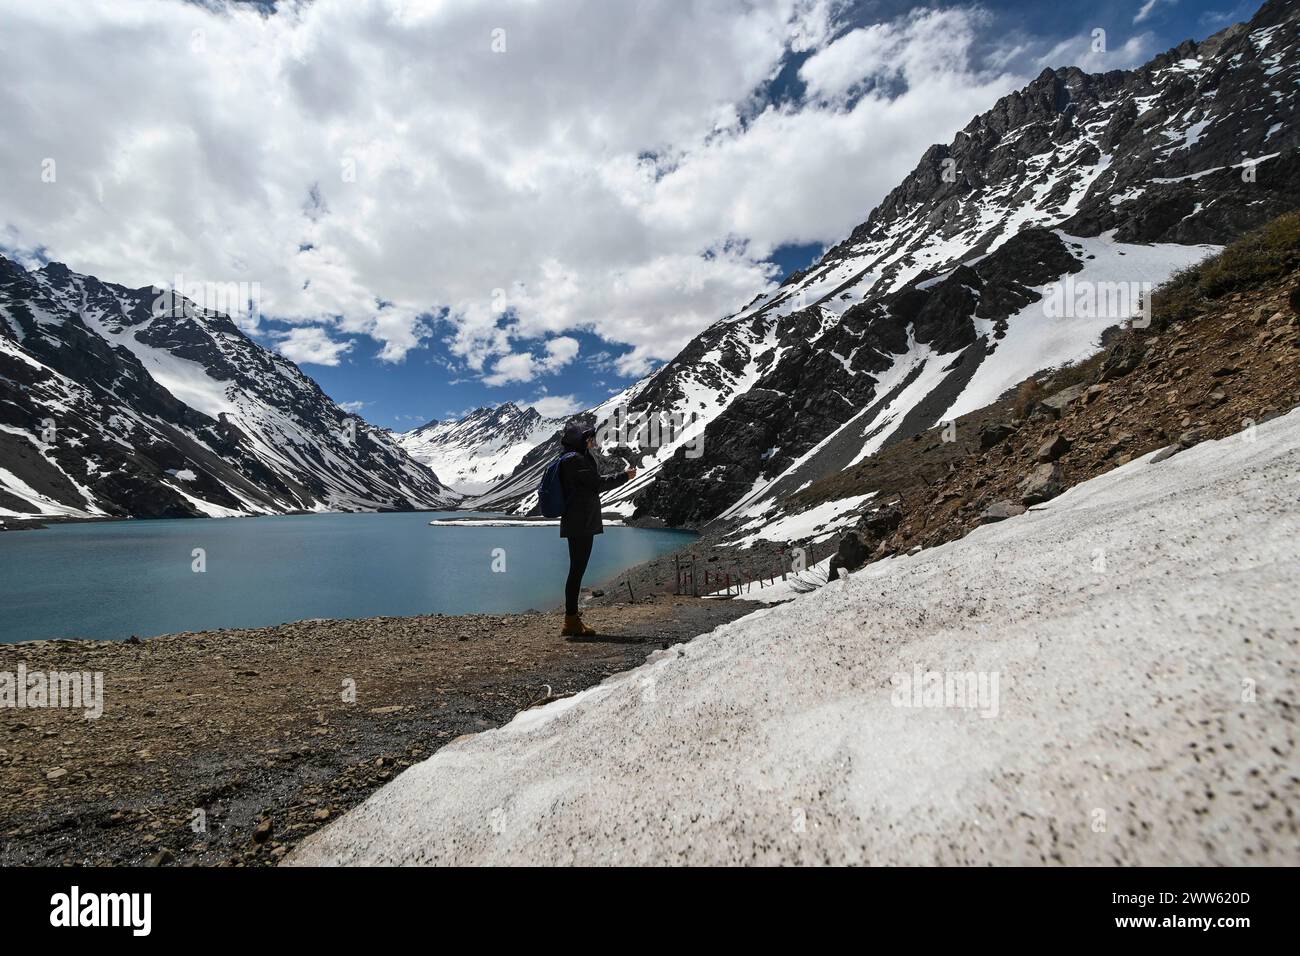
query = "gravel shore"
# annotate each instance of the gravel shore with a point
(228, 747)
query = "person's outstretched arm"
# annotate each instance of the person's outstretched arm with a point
(619, 478)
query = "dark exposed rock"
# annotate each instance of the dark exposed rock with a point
(852, 554)
(995, 433)
(1042, 484)
(118, 441)
(1000, 511)
(1053, 448)
(882, 522)
(1122, 360)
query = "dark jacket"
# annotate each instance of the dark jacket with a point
(582, 483)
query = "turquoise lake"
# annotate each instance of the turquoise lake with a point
(112, 580)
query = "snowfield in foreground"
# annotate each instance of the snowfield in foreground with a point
(1144, 630)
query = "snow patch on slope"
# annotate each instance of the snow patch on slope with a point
(818, 523)
(1035, 341)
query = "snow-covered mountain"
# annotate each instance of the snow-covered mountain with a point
(473, 453)
(943, 298)
(517, 493)
(117, 401)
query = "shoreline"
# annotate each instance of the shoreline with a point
(612, 519)
(41, 522)
(228, 747)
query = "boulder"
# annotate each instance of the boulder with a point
(1118, 443)
(994, 433)
(1042, 484)
(1124, 358)
(1000, 511)
(852, 554)
(1055, 403)
(882, 522)
(1053, 448)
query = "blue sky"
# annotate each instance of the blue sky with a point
(460, 204)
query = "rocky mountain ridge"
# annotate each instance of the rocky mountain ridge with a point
(474, 452)
(938, 303)
(122, 402)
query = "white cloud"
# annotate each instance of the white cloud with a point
(311, 344)
(1149, 8)
(920, 45)
(560, 351)
(525, 366)
(353, 407)
(556, 406)
(1094, 55)
(371, 163)
(515, 367)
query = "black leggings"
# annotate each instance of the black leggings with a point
(579, 555)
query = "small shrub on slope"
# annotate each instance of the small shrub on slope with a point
(1261, 256)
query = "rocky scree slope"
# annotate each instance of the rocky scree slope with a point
(1221, 357)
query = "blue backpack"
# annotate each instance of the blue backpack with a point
(550, 493)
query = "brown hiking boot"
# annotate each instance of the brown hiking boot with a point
(573, 627)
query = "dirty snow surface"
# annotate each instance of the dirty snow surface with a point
(1144, 628)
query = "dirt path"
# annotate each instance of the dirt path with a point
(206, 736)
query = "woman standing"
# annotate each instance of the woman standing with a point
(582, 483)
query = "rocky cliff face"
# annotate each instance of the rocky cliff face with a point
(114, 404)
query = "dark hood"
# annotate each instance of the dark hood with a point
(575, 436)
